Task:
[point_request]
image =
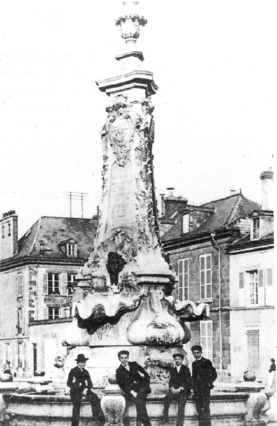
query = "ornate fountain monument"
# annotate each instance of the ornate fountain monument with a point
(123, 293)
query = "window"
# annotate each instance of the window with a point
(70, 282)
(8, 352)
(71, 249)
(206, 338)
(19, 321)
(183, 275)
(3, 231)
(53, 312)
(206, 276)
(185, 223)
(53, 284)
(19, 280)
(256, 228)
(21, 357)
(9, 229)
(253, 349)
(253, 287)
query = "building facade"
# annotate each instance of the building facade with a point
(253, 296)
(196, 247)
(36, 275)
(222, 254)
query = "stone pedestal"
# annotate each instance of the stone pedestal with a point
(113, 404)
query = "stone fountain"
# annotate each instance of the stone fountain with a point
(123, 295)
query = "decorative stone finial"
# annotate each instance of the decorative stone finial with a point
(130, 21)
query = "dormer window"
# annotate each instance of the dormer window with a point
(71, 249)
(256, 228)
(185, 223)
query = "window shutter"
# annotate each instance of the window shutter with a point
(269, 288)
(253, 348)
(63, 284)
(241, 280)
(242, 290)
(13, 352)
(23, 321)
(23, 355)
(269, 277)
(261, 278)
(21, 285)
(261, 293)
(45, 313)
(45, 284)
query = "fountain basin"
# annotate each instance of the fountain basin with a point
(55, 410)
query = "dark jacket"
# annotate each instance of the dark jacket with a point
(203, 375)
(181, 379)
(131, 380)
(78, 381)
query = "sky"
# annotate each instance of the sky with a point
(215, 111)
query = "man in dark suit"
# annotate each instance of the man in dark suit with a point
(80, 385)
(135, 384)
(179, 389)
(203, 376)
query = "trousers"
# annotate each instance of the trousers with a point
(202, 404)
(181, 398)
(140, 402)
(94, 401)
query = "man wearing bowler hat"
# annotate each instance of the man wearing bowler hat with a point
(134, 381)
(203, 376)
(80, 385)
(179, 389)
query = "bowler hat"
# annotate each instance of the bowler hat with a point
(178, 354)
(81, 358)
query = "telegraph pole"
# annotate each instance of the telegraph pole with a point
(81, 196)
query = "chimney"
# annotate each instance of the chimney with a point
(162, 205)
(267, 189)
(170, 192)
(9, 235)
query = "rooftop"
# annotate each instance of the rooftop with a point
(223, 213)
(45, 239)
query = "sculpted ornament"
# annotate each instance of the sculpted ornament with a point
(189, 311)
(98, 309)
(130, 22)
(118, 131)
